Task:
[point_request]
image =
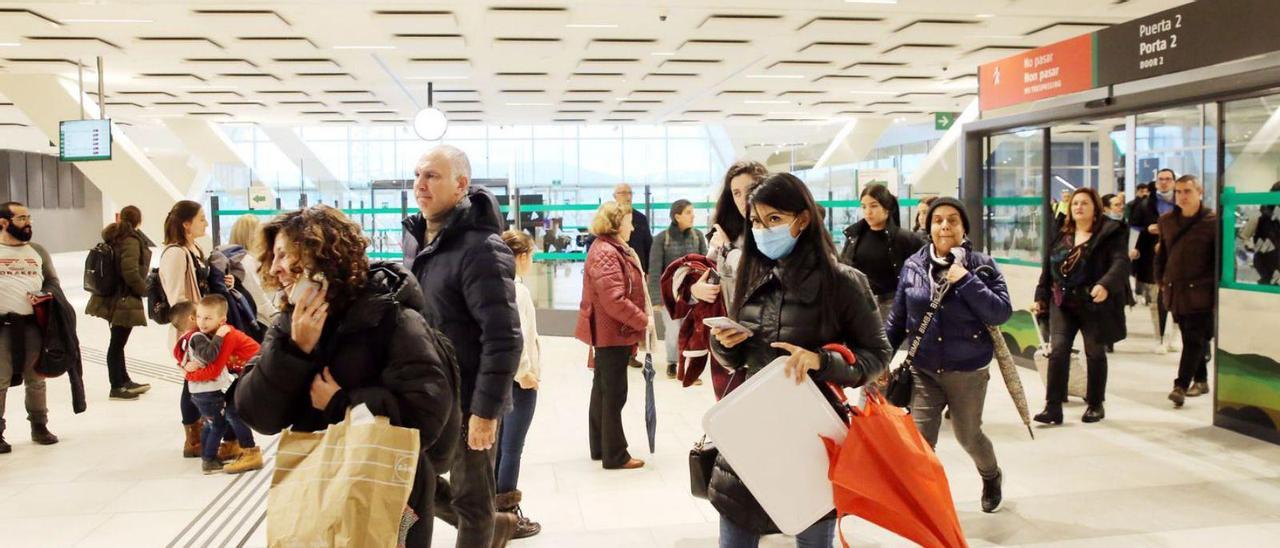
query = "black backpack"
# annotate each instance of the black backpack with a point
(157, 300)
(102, 271)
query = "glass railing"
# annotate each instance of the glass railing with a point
(1013, 229)
(1248, 241)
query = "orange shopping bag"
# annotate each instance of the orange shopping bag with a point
(887, 474)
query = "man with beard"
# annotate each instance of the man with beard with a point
(26, 273)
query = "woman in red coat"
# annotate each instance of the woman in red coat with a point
(613, 318)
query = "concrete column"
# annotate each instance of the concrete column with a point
(302, 156)
(128, 178)
(940, 172)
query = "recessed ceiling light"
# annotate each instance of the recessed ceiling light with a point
(769, 102)
(777, 76)
(985, 15)
(663, 53)
(454, 77)
(107, 21)
(364, 47)
(590, 26)
(9, 45)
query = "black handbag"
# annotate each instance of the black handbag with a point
(898, 389)
(702, 459)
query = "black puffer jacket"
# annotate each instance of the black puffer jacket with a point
(903, 244)
(1106, 263)
(786, 307)
(379, 351)
(468, 275)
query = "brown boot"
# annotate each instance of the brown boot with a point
(229, 451)
(250, 459)
(504, 526)
(191, 447)
(507, 502)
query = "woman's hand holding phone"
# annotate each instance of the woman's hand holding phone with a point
(309, 314)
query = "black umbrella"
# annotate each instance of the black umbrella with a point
(650, 409)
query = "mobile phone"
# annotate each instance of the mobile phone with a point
(305, 282)
(721, 322)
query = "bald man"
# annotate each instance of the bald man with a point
(642, 237)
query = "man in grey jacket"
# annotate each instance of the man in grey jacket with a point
(26, 273)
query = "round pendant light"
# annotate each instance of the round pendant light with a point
(430, 123)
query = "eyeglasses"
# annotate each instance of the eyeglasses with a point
(26, 218)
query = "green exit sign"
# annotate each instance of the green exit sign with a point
(943, 121)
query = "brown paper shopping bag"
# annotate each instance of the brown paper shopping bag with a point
(346, 486)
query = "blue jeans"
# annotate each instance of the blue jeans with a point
(818, 535)
(218, 418)
(515, 426)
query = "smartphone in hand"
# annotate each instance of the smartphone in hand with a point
(307, 281)
(721, 322)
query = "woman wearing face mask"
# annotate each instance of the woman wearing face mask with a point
(678, 240)
(1083, 288)
(799, 302)
(951, 365)
(877, 246)
(357, 338)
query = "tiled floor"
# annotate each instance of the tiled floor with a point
(1146, 476)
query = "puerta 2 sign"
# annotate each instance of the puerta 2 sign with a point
(1199, 34)
(1190, 36)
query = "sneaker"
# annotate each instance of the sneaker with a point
(1178, 396)
(4, 446)
(1160, 349)
(250, 459)
(1198, 389)
(122, 394)
(40, 434)
(137, 388)
(671, 371)
(210, 466)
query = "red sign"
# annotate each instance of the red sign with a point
(1050, 71)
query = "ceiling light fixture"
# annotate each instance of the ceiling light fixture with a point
(985, 15)
(9, 45)
(777, 76)
(107, 21)
(590, 26)
(364, 47)
(430, 123)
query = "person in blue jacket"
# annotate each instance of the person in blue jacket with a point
(951, 367)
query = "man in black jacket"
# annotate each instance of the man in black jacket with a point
(454, 248)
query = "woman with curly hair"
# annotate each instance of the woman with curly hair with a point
(355, 336)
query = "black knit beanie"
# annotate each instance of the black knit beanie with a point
(948, 201)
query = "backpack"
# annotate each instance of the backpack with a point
(157, 299)
(102, 271)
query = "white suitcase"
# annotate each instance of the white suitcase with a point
(768, 430)
(1076, 377)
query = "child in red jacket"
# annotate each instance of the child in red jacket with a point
(209, 351)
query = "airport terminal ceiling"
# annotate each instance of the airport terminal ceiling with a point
(740, 64)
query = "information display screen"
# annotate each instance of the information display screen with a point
(84, 140)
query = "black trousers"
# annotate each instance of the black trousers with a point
(465, 499)
(1197, 334)
(116, 370)
(1064, 323)
(608, 443)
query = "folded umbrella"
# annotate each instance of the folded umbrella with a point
(1012, 381)
(650, 409)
